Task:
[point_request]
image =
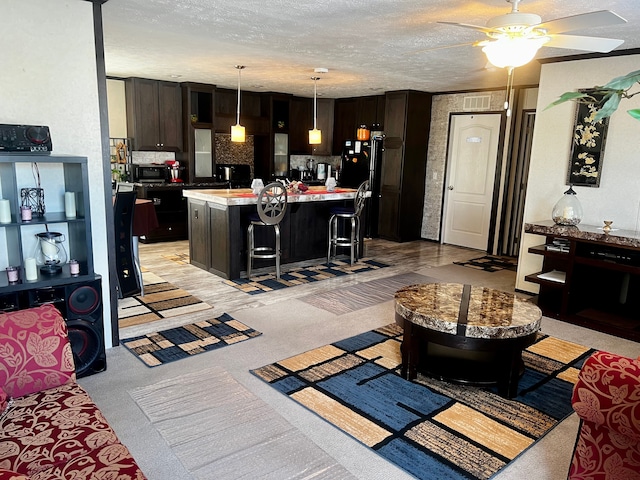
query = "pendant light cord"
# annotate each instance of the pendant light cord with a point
(509, 92)
(315, 101)
(239, 67)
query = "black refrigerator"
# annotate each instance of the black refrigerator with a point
(361, 161)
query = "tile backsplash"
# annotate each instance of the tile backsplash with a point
(140, 157)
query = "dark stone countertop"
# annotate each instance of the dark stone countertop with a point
(623, 238)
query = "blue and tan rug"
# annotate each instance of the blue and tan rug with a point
(302, 275)
(161, 299)
(173, 344)
(430, 428)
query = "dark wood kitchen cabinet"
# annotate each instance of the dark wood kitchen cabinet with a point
(402, 178)
(154, 114)
(302, 121)
(350, 113)
(301, 114)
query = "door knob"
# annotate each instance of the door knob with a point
(450, 187)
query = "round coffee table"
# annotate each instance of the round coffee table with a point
(464, 333)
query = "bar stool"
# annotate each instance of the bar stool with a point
(270, 210)
(347, 213)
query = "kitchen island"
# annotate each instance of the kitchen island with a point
(218, 221)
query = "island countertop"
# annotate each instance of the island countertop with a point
(244, 196)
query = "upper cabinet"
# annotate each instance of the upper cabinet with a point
(302, 122)
(198, 106)
(252, 115)
(301, 111)
(154, 114)
(350, 113)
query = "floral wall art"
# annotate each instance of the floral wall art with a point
(587, 150)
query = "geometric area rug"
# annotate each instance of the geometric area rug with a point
(176, 343)
(433, 429)
(161, 299)
(301, 275)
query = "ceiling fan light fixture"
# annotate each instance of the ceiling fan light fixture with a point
(513, 51)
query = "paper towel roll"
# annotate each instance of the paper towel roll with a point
(70, 204)
(30, 269)
(5, 211)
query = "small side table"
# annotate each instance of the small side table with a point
(464, 333)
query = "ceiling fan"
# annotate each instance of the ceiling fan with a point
(515, 37)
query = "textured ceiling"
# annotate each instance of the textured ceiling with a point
(369, 46)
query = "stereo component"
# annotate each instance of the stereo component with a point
(25, 138)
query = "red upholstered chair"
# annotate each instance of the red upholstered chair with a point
(607, 400)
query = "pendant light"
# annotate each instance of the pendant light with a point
(315, 135)
(237, 130)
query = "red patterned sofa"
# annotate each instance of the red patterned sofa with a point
(607, 400)
(49, 426)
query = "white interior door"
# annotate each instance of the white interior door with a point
(473, 152)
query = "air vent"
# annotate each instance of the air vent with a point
(476, 103)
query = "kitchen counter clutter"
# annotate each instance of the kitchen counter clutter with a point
(218, 221)
(244, 196)
(589, 277)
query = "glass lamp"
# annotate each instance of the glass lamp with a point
(567, 211)
(513, 51)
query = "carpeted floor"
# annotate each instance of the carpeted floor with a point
(302, 275)
(218, 429)
(430, 428)
(490, 263)
(173, 344)
(363, 295)
(161, 299)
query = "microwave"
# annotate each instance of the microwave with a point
(150, 173)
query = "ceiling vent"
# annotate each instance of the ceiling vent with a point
(476, 103)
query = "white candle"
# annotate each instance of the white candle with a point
(30, 269)
(70, 204)
(5, 211)
(49, 249)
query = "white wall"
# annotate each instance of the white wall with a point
(49, 78)
(618, 197)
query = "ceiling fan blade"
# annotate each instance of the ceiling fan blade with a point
(467, 25)
(601, 18)
(578, 42)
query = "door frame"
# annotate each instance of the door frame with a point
(496, 180)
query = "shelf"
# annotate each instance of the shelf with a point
(608, 265)
(55, 175)
(535, 278)
(542, 250)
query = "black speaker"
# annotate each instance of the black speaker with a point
(81, 306)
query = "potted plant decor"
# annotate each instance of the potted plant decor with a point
(610, 94)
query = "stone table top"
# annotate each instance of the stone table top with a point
(466, 310)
